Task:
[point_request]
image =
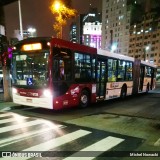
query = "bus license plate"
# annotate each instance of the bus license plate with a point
(29, 100)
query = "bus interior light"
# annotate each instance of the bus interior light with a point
(14, 48)
(48, 43)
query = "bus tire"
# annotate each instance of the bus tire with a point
(123, 92)
(84, 99)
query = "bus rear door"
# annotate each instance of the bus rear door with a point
(101, 80)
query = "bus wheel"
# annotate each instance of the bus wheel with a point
(84, 99)
(123, 92)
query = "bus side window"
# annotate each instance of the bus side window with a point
(77, 73)
(121, 70)
(128, 71)
(112, 73)
(82, 64)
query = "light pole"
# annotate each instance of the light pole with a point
(20, 18)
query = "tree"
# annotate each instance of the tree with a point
(63, 11)
(5, 59)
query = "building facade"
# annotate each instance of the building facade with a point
(73, 33)
(88, 29)
(145, 38)
(2, 21)
(92, 30)
(116, 17)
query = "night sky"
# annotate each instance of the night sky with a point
(36, 14)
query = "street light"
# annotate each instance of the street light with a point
(145, 50)
(58, 7)
(113, 47)
(63, 13)
(31, 31)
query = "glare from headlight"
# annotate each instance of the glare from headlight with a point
(47, 93)
(14, 90)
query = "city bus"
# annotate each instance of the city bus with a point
(54, 74)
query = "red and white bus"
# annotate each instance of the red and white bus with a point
(53, 73)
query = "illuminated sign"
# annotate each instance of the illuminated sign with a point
(32, 47)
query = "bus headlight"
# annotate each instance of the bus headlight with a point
(14, 90)
(47, 93)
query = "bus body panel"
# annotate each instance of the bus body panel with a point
(72, 46)
(35, 98)
(32, 97)
(72, 96)
(113, 89)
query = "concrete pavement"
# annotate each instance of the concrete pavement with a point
(3, 104)
(6, 105)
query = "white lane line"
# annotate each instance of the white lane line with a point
(5, 114)
(101, 146)
(10, 120)
(56, 142)
(30, 134)
(157, 143)
(20, 125)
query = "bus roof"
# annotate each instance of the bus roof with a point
(73, 46)
(32, 40)
(148, 64)
(114, 55)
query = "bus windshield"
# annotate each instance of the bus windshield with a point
(30, 69)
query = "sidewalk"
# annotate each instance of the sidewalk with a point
(5, 105)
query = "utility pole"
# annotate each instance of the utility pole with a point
(20, 18)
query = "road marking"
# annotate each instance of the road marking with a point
(5, 114)
(10, 120)
(101, 146)
(23, 136)
(20, 125)
(56, 142)
(157, 143)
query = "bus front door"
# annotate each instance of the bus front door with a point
(101, 80)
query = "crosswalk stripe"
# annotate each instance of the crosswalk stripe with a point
(56, 142)
(5, 114)
(20, 125)
(17, 138)
(10, 120)
(101, 146)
